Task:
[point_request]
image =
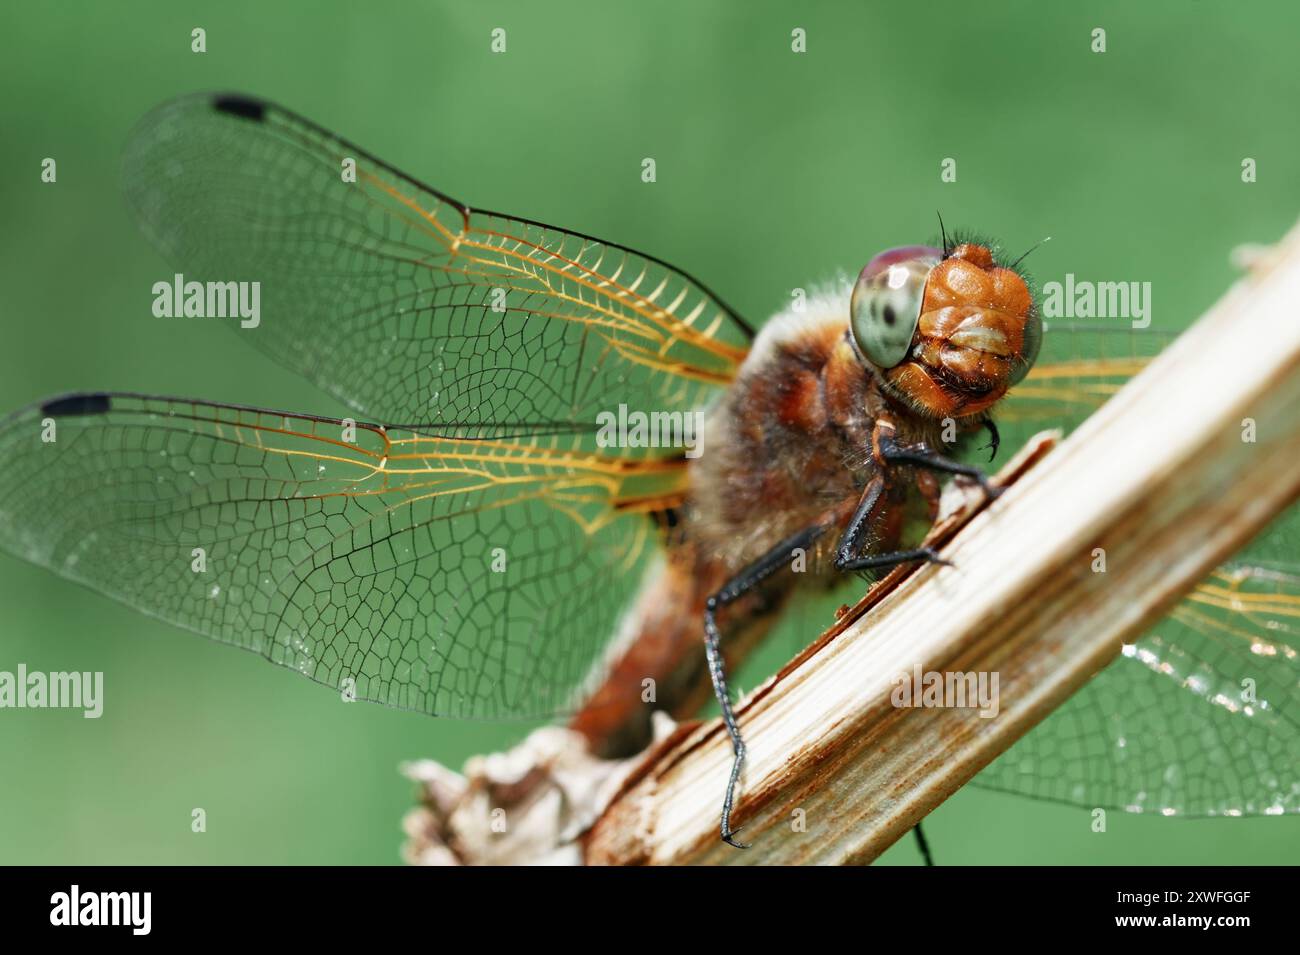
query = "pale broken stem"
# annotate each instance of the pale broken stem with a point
(1164, 479)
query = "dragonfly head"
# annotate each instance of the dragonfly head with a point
(947, 331)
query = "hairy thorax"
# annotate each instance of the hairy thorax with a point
(789, 444)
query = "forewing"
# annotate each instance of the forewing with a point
(462, 578)
(1201, 716)
(407, 304)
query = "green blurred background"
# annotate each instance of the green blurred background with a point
(775, 170)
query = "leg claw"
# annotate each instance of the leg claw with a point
(729, 837)
(932, 557)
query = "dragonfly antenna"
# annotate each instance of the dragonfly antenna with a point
(1031, 249)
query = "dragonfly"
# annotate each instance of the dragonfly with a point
(470, 542)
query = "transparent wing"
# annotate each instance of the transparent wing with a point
(1078, 368)
(1201, 716)
(1198, 718)
(438, 574)
(406, 304)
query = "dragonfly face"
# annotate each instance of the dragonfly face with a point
(949, 330)
(467, 545)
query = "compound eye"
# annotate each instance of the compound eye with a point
(886, 303)
(1033, 341)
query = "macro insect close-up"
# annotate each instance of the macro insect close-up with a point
(516, 477)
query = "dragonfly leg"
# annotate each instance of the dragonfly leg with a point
(922, 456)
(995, 439)
(928, 554)
(923, 844)
(849, 556)
(743, 583)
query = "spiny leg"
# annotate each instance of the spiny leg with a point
(847, 559)
(849, 556)
(920, 455)
(744, 582)
(892, 559)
